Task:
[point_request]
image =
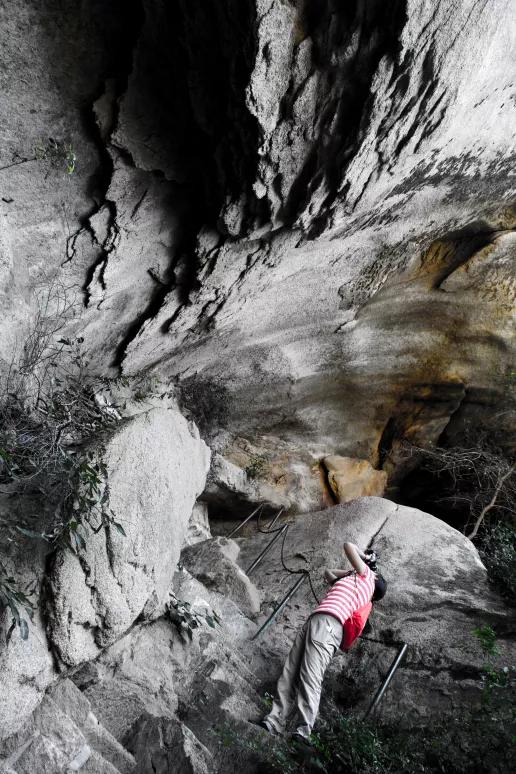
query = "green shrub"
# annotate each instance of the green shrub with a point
(486, 636)
(498, 552)
(57, 153)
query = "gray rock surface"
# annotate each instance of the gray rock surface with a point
(313, 272)
(26, 668)
(64, 736)
(199, 525)
(156, 467)
(73, 702)
(162, 744)
(213, 563)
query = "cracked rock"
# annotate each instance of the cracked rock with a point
(156, 469)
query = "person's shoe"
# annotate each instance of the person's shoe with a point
(299, 739)
(268, 727)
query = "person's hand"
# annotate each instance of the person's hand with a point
(329, 577)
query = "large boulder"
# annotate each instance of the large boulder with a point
(156, 467)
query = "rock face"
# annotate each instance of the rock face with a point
(163, 744)
(156, 467)
(64, 735)
(213, 563)
(27, 669)
(248, 212)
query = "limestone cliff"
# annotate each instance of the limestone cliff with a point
(297, 217)
(299, 213)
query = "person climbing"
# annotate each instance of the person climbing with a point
(335, 624)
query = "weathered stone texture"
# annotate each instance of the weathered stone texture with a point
(213, 563)
(156, 467)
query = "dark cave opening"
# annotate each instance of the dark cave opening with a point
(432, 493)
(467, 469)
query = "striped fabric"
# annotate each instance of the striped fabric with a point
(347, 595)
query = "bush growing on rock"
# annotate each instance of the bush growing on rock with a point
(498, 551)
(187, 619)
(52, 483)
(480, 741)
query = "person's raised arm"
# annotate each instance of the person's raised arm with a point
(356, 557)
(331, 574)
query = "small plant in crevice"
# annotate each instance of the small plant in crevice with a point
(57, 153)
(486, 636)
(187, 619)
(257, 466)
(493, 678)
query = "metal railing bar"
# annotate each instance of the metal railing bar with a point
(242, 523)
(267, 548)
(280, 607)
(388, 677)
(275, 519)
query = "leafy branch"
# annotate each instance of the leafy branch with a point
(15, 600)
(186, 619)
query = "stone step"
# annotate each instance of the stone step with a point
(64, 736)
(96, 764)
(163, 745)
(73, 702)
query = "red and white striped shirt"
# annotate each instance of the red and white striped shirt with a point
(347, 595)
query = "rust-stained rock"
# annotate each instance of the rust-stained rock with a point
(349, 478)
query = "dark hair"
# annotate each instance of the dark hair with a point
(380, 587)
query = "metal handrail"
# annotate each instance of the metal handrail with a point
(275, 519)
(242, 523)
(267, 548)
(388, 677)
(280, 607)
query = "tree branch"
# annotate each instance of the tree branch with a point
(492, 502)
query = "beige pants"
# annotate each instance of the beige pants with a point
(299, 687)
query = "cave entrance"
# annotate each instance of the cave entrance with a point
(433, 493)
(467, 474)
